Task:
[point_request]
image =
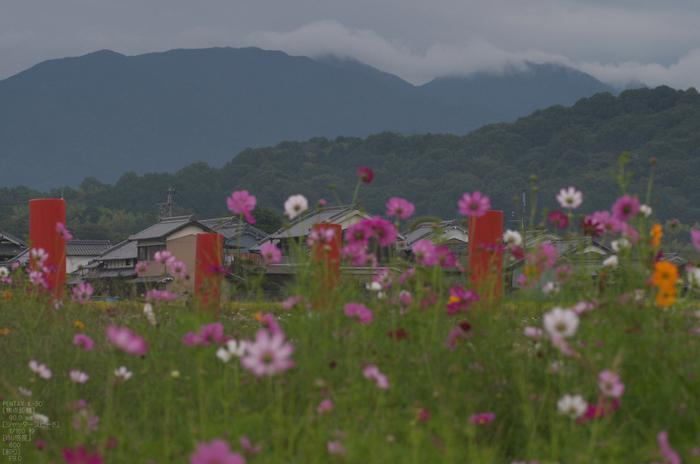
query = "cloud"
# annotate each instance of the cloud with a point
(328, 37)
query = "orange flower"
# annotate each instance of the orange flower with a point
(656, 234)
(80, 325)
(5, 331)
(666, 296)
(7, 295)
(665, 274)
(532, 272)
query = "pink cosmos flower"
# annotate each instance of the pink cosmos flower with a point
(610, 384)
(356, 253)
(320, 236)
(292, 301)
(445, 257)
(483, 418)
(558, 219)
(533, 332)
(460, 300)
(695, 236)
(80, 455)
(570, 198)
(127, 341)
(82, 293)
(141, 268)
(211, 333)
(365, 174)
(384, 230)
(604, 407)
(560, 343)
(248, 447)
(625, 208)
(40, 444)
(241, 202)
(670, 455)
(325, 406)
(405, 299)
(270, 253)
(216, 452)
(359, 311)
(86, 421)
(268, 322)
(400, 208)
(41, 369)
(178, 268)
(336, 447)
(63, 232)
(79, 376)
(191, 339)
(162, 295)
(425, 252)
(164, 257)
(372, 372)
(39, 255)
(383, 277)
(455, 336)
(564, 273)
(474, 205)
(584, 307)
(269, 354)
(609, 222)
(83, 341)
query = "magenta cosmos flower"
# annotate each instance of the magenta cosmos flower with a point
(80, 455)
(216, 452)
(127, 341)
(400, 208)
(625, 208)
(558, 219)
(460, 300)
(426, 253)
(365, 174)
(83, 341)
(590, 225)
(269, 354)
(242, 203)
(482, 418)
(360, 312)
(475, 204)
(270, 253)
(384, 230)
(82, 293)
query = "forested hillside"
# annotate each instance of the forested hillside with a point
(577, 146)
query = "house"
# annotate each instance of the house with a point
(239, 238)
(80, 252)
(10, 246)
(452, 233)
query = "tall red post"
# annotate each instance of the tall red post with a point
(485, 254)
(327, 261)
(207, 276)
(44, 214)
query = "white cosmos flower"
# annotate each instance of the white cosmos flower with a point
(645, 210)
(23, 391)
(572, 406)
(4, 272)
(621, 244)
(150, 315)
(233, 348)
(123, 373)
(41, 369)
(512, 237)
(295, 205)
(570, 198)
(551, 288)
(612, 261)
(40, 418)
(79, 376)
(561, 322)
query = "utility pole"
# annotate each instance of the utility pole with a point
(169, 203)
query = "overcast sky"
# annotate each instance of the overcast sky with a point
(653, 41)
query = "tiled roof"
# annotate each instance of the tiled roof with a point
(302, 226)
(230, 228)
(426, 230)
(8, 236)
(167, 226)
(87, 247)
(122, 250)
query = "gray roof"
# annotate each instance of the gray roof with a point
(107, 273)
(426, 230)
(122, 250)
(167, 226)
(302, 226)
(8, 236)
(230, 228)
(87, 247)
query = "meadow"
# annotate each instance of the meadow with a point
(418, 367)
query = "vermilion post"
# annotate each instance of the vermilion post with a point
(44, 214)
(207, 276)
(485, 255)
(327, 258)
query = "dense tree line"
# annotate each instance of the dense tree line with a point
(578, 145)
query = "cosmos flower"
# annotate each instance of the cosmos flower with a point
(475, 204)
(83, 341)
(241, 202)
(127, 341)
(295, 205)
(572, 406)
(216, 452)
(400, 208)
(82, 292)
(372, 372)
(570, 198)
(269, 354)
(625, 208)
(561, 322)
(270, 253)
(365, 174)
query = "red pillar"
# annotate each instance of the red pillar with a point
(44, 214)
(327, 263)
(485, 255)
(207, 276)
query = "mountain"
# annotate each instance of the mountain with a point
(104, 113)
